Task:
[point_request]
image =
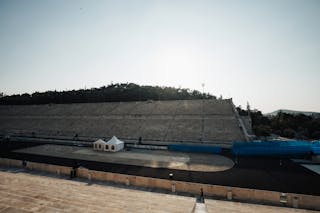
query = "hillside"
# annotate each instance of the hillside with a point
(294, 112)
(290, 125)
(111, 93)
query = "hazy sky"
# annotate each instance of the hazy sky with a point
(265, 52)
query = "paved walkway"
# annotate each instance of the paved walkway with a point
(200, 208)
(26, 192)
(314, 168)
(237, 207)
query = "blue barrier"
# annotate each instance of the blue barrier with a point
(194, 148)
(316, 150)
(275, 148)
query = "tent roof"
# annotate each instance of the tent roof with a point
(100, 141)
(114, 140)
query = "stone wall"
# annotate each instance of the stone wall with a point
(168, 121)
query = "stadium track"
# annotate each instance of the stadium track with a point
(250, 172)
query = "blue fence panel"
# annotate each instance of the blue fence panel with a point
(194, 148)
(275, 148)
(316, 150)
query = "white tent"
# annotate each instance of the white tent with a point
(114, 145)
(99, 145)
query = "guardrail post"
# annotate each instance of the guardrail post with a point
(173, 187)
(295, 202)
(229, 193)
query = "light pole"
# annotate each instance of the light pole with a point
(202, 89)
(202, 123)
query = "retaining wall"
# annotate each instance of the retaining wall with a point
(222, 192)
(63, 170)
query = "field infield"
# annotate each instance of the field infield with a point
(138, 157)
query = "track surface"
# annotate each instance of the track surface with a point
(256, 173)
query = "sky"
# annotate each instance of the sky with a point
(266, 52)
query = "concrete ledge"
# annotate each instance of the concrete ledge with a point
(223, 192)
(10, 162)
(60, 170)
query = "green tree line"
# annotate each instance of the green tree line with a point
(298, 126)
(110, 93)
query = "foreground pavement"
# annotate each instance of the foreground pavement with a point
(213, 206)
(25, 191)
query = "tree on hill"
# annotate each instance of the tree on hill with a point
(288, 125)
(110, 93)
